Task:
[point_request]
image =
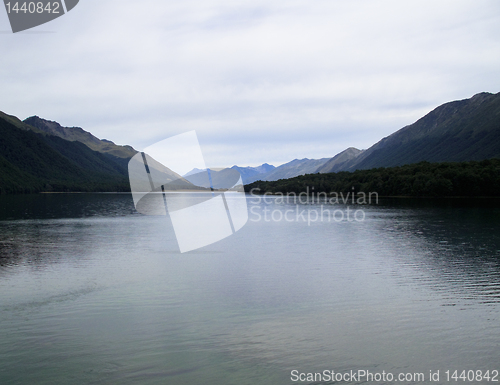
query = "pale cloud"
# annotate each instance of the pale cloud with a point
(259, 81)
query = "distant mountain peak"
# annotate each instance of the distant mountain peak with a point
(288, 170)
(337, 162)
(194, 171)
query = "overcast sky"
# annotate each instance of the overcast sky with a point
(260, 81)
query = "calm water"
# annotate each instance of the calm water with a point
(93, 293)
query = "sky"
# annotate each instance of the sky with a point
(259, 81)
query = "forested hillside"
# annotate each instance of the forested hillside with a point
(31, 162)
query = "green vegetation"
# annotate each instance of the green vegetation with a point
(32, 162)
(424, 179)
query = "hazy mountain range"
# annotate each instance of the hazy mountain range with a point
(41, 155)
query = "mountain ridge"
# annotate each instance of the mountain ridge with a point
(457, 131)
(291, 169)
(247, 173)
(341, 159)
(79, 134)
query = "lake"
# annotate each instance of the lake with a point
(91, 292)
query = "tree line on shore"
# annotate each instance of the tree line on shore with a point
(424, 179)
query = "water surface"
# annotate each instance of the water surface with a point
(93, 293)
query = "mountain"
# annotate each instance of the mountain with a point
(289, 170)
(50, 157)
(15, 121)
(249, 172)
(458, 131)
(146, 174)
(80, 135)
(225, 178)
(194, 171)
(339, 160)
(199, 177)
(262, 168)
(33, 162)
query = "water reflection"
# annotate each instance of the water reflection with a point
(46, 206)
(40, 229)
(454, 245)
